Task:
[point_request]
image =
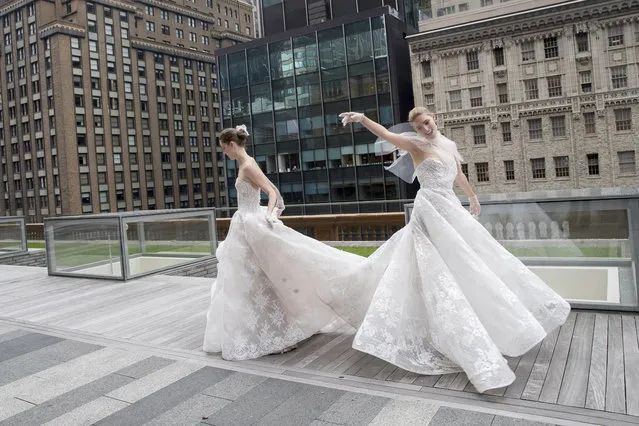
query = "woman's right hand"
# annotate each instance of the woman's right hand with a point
(351, 117)
(272, 218)
(279, 206)
(475, 207)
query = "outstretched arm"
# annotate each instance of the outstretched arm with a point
(463, 183)
(401, 142)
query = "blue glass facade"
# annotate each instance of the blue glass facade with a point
(289, 92)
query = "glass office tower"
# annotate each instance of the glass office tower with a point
(289, 89)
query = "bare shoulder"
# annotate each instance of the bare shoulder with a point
(251, 168)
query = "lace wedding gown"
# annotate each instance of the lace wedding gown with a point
(264, 298)
(442, 296)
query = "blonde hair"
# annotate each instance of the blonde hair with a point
(229, 135)
(412, 115)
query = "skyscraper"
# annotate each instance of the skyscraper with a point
(318, 59)
(111, 106)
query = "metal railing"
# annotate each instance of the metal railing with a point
(13, 235)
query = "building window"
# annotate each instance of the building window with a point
(455, 99)
(502, 93)
(551, 47)
(498, 53)
(464, 168)
(534, 129)
(615, 36)
(589, 123)
(429, 101)
(626, 162)
(582, 42)
(593, 164)
(623, 119)
(538, 168)
(482, 172)
(619, 77)
(443, 11)
(532, 89)
(509, 168)
(506, 134)
(558, 125)
(554, 86)
(585, 78)
(426, 69)
(475, 97)
(528, 51)
(479, 134)
(472, 60)
(562, 168)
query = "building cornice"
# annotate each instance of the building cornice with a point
(620, 97)
(462, 50)
(7, 8)
(466, 117)
(62, 27)
(541, 108)
(234, 36)
(598, 13)
(123, 5)
(152, 46)
(538, 36)
(574, 104)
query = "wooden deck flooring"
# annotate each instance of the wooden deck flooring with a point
(590, 365)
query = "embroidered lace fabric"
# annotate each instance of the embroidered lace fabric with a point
(264, 298)
(440, 296)
(444, 295)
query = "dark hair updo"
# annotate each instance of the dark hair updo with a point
(234, 135)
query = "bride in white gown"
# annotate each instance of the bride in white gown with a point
(442, 295)
(264, 299)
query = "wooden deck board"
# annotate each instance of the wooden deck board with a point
(575, 384)
(615, 379)
(592, 362)
(596, 395)
(522, 373)
(631, 364)
(552, 384)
